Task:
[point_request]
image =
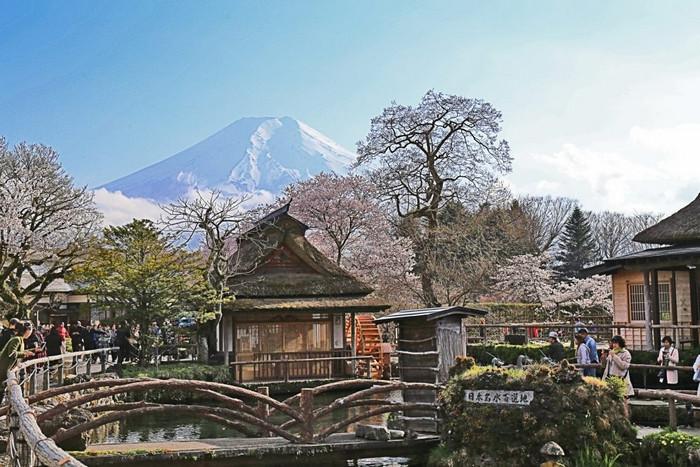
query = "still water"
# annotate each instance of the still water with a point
(164, 427)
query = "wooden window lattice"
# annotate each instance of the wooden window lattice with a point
(636, 301)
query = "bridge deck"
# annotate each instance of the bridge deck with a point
(221, 449)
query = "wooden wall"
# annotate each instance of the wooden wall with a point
(621, 315)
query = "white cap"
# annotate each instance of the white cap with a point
(553, 335)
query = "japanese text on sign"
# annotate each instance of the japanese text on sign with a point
(496, 396)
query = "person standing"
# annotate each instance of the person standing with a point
(668, 357)
(696, 375)
(8, 332)
(54, 343)
(618, 363)
(76, 336)
(593, 351)
(12, 352)
(63, 334)
(556, 349)
(583, 354)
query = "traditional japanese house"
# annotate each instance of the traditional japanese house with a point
(657, 289)
(293, 307)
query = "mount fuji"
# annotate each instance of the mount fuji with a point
(255, 156)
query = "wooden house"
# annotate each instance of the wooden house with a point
(291, 303)
(657, 288)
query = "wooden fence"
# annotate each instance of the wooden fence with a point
(27, 446)
(634, 334)
(288, 369)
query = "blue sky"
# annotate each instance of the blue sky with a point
(600, 99)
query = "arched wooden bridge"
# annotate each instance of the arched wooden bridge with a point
(245, 410)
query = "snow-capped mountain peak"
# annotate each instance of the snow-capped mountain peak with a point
(251, 155)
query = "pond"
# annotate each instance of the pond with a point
(164, 427)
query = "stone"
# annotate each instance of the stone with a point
(552, 449)
(372, 432)
(397, 434)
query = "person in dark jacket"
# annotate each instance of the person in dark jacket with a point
(8, 332)
(122, 341)
(34, 343)
(556, 349)
(54, 342)
(76, 336)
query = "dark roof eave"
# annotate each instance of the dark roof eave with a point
(431, 314)
(603, 268)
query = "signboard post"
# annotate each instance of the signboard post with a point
(499, 397)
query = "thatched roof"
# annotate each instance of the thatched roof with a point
(276, 260)
(678, 228)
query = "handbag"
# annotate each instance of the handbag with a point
(696, 376)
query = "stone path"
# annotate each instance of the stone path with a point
(229, 448)
(643, 431)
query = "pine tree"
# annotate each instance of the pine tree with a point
(577, 247)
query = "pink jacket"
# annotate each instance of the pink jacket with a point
(673, 359)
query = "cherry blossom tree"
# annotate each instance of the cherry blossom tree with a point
(348, 225)
(530, 278)
(445, 149)
(45, 224)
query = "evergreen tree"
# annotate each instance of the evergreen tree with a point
(135, 270)
(577, 248)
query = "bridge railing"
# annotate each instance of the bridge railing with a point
(27, 446)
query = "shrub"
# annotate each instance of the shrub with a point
(589, 457)
(194, 371)
(670, 449)
(509, 353)
(566, 409)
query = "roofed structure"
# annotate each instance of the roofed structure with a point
(431, 314)
(277, 261)
(682, 227)
(659, 286)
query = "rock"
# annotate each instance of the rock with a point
(372, 432)
(397, 434)
(552, 450)
(67, 420)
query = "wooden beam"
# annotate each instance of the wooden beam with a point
(693, 282)
(674, 294)
(655, 311)
(353, 342)
(648, 342)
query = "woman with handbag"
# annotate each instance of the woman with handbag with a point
(617, 363)
(668, 357)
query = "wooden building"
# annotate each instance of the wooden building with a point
(291, 303)
(657, 288)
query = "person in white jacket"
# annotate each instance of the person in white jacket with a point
(668, 357)
(696, 375)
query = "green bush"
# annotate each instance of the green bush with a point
(670, 449)
(589, 457)
(509, 353)
(567, 409)
(190, 370)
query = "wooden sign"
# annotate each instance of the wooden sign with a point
(499, 397)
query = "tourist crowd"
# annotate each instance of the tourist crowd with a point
(617, 359)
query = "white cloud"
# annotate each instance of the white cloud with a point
(119, 209)
(654, 169)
